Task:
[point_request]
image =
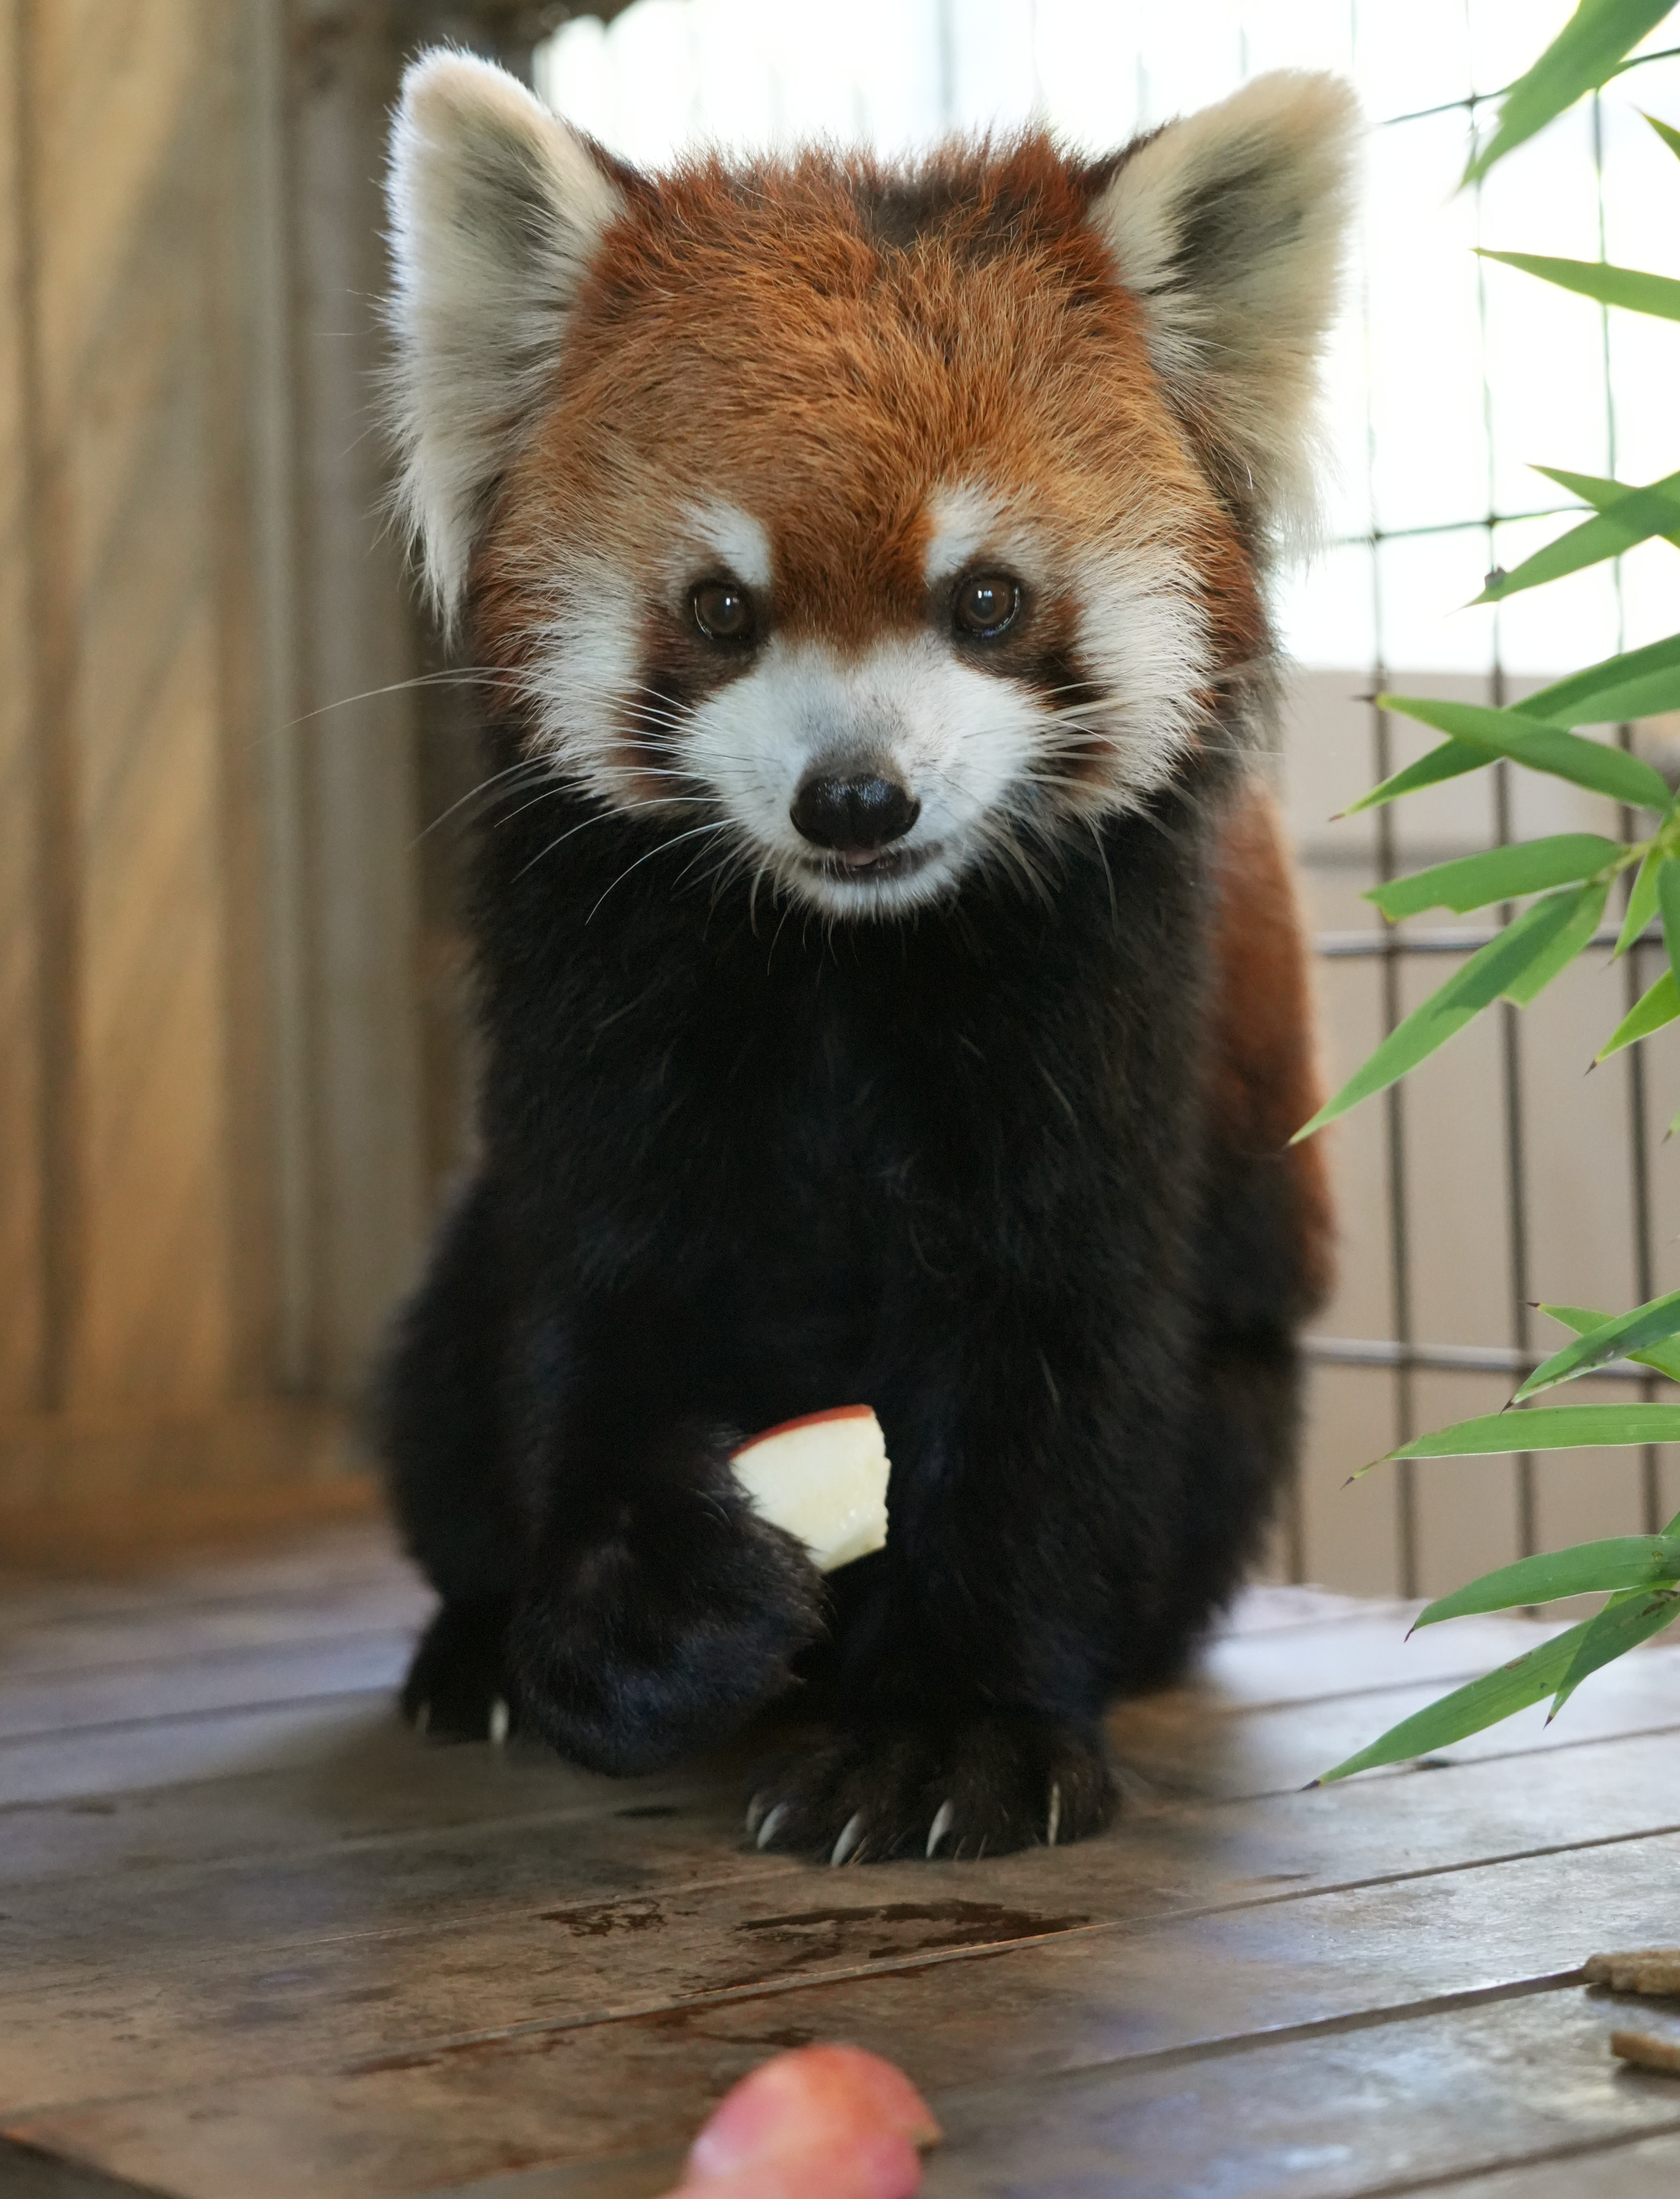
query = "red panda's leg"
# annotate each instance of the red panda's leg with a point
(441, 1427)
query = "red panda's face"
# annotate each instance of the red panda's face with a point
(852, 528)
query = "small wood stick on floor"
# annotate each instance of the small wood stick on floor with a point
(1647, 2051)
(1647, 1970)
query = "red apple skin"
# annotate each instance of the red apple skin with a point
(823, 2122)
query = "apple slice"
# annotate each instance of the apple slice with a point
(824, 1479)
(822, 2122)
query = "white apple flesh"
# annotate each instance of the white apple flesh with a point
(824, 1479)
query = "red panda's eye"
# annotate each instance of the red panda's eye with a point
(721, 610)
(986, 603)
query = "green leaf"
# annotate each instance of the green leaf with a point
(1631, 287)
(1547, 1427)
(1625, 1561)
(1501, 874)
(1668, 899)
(1450, 761)
(1663, 1358)
(1555, 959)
(1626, 1621)
(1527, 739)
(1583, 55)
(1642, 902)
(1634, 685)
(1633, 516)
(1483, 1702)
(1491, 970)
(1595, 490)
(1654, 1007)
(1615, 1339)
(1670, 137)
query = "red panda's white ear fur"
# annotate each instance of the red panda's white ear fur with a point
(1230, 226)
(495, 208)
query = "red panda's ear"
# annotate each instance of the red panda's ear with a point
(495, 207)
(1230, 226)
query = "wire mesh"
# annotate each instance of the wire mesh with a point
(1394, 946)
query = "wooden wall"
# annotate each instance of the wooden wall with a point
(219, 947)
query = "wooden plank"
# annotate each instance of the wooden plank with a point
(1372, 2108)
(345, 1561)
(353, 650)
(477, 2103)
(76, 1647)
(182, 1666)
(25, 2174)
(614, 2076)
(1377, 2110)
(218, 1745)
(1272, 1749)
(355, 1577)
(66, 1703)
(195, 1926)
(374, 1786)
(348, 1765)
(1162, 1737)
(22, 1321)
(93, 1490)
(1637, 2168)
(120, 191)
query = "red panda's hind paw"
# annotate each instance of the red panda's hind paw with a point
(956, 1790)
(458, 1687)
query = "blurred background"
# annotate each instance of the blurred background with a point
(236, 1075)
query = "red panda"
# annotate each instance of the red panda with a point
(889, 977)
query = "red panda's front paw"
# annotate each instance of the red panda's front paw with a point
(665, 1634)
(958, 1789)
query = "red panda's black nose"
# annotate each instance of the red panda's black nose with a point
(854, 814)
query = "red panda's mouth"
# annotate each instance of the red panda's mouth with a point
(870, 865)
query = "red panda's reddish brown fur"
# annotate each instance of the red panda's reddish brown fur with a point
(1265, 1079)
(999, 340)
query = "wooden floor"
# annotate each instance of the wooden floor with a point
(257, 1942)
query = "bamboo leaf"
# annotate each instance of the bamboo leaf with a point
(1663, 1358)
(1594, 489)
(1632, 517)
(1626, 1621)
(1554, 959)
(1659, 1005)
(1670, 137)
(1625, 1561)
(1483, 1702)
(1450, 761)
(1629, 287)
(1668, 900)
(1626, 1332)
(1528, 739)
(1642, 902)
(1583, 55)
(1501, 874)
(1634, 685)
(1491, 970)
(1547, 1427)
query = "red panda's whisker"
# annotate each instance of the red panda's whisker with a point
(468, 677)
(604, 815)
(528, 767)
(722, 824)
